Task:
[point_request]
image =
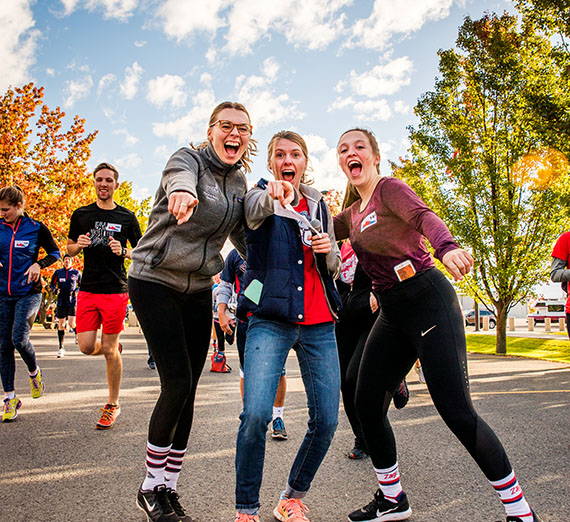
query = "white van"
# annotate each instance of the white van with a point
(542, 308)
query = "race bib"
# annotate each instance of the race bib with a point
(368, 221)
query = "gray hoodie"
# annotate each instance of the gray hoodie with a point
(184, 257)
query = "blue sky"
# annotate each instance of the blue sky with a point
(147, 73)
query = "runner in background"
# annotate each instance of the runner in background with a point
(64, 283)
(101, 231)
(21, 238)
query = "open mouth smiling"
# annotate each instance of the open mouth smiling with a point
(231, 147)
(288, 175)
(355, 167)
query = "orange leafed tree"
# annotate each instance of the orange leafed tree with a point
(48, 163)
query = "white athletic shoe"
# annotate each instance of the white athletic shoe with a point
(61, 353)
(420, 372)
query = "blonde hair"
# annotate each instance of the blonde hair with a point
(295, 138)
(251, 150)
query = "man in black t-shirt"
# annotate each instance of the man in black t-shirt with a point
(102, 230)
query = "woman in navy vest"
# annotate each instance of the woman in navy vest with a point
(291, 302)
(20, 292)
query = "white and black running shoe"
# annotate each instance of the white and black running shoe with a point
(156, 505)
(381, 509)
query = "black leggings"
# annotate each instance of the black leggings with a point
(177, 329)
(421, 317)
(351, 334)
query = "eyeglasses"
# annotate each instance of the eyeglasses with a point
(245, 129)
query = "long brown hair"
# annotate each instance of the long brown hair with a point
(295, 138)
(251, 150)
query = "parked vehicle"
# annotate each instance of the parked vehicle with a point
(469, 316)
(540, 310)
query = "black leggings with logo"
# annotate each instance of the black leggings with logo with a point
(421, 317)
(177, 329)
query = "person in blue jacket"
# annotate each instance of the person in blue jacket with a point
(290, 300)
(20, 292)
(65, 283)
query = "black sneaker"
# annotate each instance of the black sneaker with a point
(382, 509)
(401, 395)
(518, 519)
(278, 430)
(177, 507)
(156, 505)
(359, 451)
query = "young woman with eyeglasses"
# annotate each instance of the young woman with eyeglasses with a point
(198, 205)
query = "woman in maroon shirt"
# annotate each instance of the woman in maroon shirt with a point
(420, 317)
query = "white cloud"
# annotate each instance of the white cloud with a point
(112, 9)
(18, 42)
(181, 18)
(401, 106)
(323, 160)
(193, 125)
(341, 103)
(167, 89)
(211, 55)
(140, 43)
(129, 138)
(75, 90)
(119, 9)
(383, 79)
(69, 6)
(372, 110)
(50, 71)
(395, 17)
(309, 24)
(263, 104)
(104, 82)
(130, 85)
(162, 152)
(206, 79)
(109, 113)
(129, 161)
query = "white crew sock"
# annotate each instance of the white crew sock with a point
(156, 458)
(512, 497)
(389, 482)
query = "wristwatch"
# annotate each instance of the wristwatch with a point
(124, 252)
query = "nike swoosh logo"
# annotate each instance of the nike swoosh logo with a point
(429, 330)
(150, 507)
(386, 511)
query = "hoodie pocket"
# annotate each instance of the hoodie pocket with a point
(161, 252)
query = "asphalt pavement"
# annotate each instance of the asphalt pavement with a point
(55, 466)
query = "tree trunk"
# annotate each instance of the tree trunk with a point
(502, 311)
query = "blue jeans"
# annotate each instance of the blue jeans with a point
(267, 346)
(18, 314)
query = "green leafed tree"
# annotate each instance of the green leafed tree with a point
(496, 174)
(124, 196)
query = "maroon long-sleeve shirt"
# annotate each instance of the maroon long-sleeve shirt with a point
(391, 229)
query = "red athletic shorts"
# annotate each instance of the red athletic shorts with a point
(94, 310)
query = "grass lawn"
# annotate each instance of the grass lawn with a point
(548, 349)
